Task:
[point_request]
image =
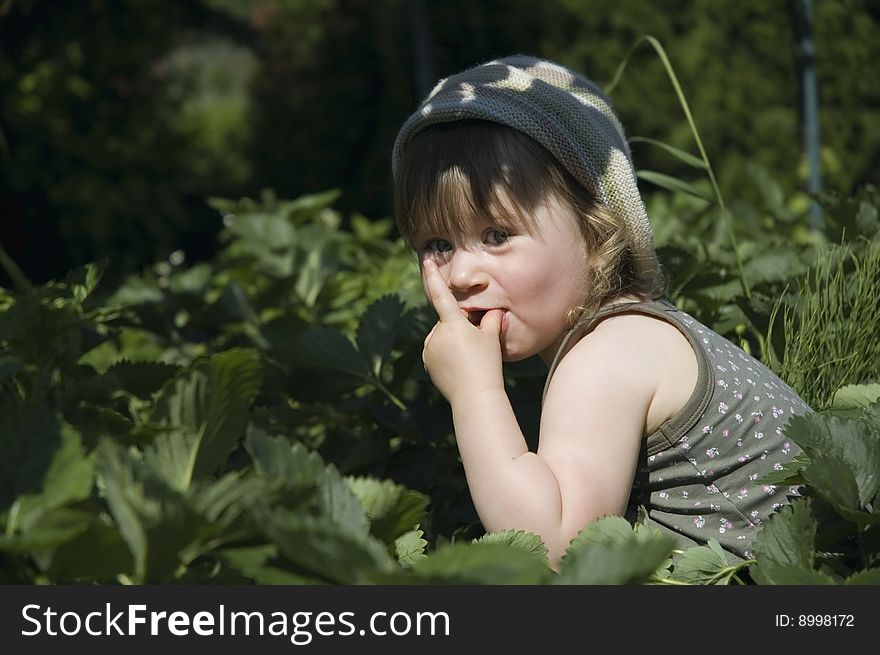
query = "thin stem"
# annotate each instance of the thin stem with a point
(725, 215)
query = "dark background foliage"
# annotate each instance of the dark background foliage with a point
(118, 118)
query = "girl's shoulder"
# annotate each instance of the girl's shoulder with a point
(645, 355)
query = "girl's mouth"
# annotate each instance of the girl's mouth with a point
(476, 316)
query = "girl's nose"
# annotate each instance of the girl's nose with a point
(466, 271)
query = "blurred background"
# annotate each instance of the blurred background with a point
(119, 118)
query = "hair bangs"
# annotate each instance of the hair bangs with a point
(458, 173)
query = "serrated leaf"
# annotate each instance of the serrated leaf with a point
(154, 519)
(323, 548)
(410, 548)
(789, 474)
(703, 565)
(604, 530)
(855, 396)
(326, 348)
(481, 563)
(674, 184)
(255, 562)
(97, 554)
(30, 435)
(785, 544)
(69, 478)
(293, 471)
(608, 551)
(528, 542)
(208, 409)
(142, 379)
(226, 499)
(868, 576)
(339, 504)
(773, 266)
(833, 480)
(83, 281)
(790, 574)
(49, 530)
(392, 509)
(845, 455)
(377, 331)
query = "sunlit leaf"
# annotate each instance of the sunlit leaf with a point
(410, 547)
(525, 541)
(393, 509)
(207, 407)
(481, 563)
(670, 183)
(678, 153)
(608, 551)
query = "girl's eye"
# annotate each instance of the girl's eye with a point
(438, 246)
(497, 237)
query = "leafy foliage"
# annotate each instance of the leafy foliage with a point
(265, 418)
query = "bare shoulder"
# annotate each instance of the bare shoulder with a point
(637, 363)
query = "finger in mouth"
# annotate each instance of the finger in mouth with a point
(476, 317)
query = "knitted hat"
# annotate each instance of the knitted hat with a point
(562, 110)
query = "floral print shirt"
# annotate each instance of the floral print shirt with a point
(700, 474)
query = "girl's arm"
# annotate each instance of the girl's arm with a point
(591, 426)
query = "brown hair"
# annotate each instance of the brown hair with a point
(452, 173)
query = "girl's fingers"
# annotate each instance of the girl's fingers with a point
(441, 297)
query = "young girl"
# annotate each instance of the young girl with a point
(514, 183)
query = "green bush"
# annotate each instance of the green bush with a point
(264, 417)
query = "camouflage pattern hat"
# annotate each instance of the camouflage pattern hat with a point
(563, 111)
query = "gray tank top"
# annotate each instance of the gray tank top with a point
(699, 474)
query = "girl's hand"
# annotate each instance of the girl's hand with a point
(462, 359)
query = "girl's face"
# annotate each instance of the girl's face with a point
(535, 277)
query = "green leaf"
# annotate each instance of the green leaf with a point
(83, 281)
(30, 435)
(855, 396)
(69, 479)
(338, 503)
(704, 565)
(674, 184)
(207, 408)
(154, 519)
(377, 331)
(142, 378)
(774, 265)
(789, 474)
(868, 576)
(326, 348)
(785, 545)
(256, 563)
(224, 500)
(294, 472)
(9, 366)
(679, 154)
(528, 542)
(49, 530)
(392, 509)
(481, 563)
(97, 554)
(845, 456)
(608, 551)
(833, 480)
(322, 548)
(410, 547)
